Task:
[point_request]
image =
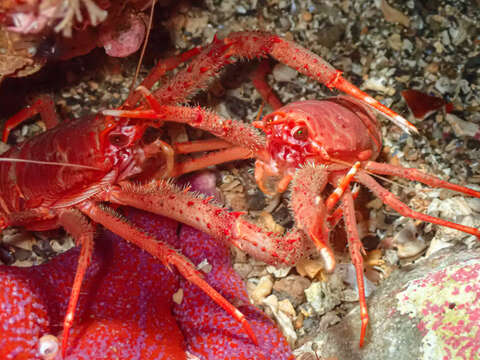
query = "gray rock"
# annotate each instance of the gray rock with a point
(331, 35)
(427, 310)
(282, 72)
(322, 297)
(293, 286)
(242, 269)
(255, 199)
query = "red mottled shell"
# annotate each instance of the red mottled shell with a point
(26, 186)
(343, 127)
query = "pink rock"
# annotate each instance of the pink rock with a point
(431, 308)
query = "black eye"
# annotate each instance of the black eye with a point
(118, 140)
(300, 132)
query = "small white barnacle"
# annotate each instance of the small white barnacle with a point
(48, 346)
(204, 266)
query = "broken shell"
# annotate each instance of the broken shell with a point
(177, 297)
(309, 267)
(286, 307)
(48, 346)
(262, 290)
(283, 320)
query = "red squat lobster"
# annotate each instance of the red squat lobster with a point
(315, 143)
(92, 160)
(336, 142)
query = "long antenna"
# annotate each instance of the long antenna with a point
(39, 162)
(144, 47)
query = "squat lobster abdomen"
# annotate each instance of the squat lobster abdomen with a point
(27, 185)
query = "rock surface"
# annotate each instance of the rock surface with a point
(429, 310)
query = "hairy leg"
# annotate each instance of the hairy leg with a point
(356, 254)
(391, 200)
(164, 198)
(162, 251)
(76, 224)
(42, 105)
